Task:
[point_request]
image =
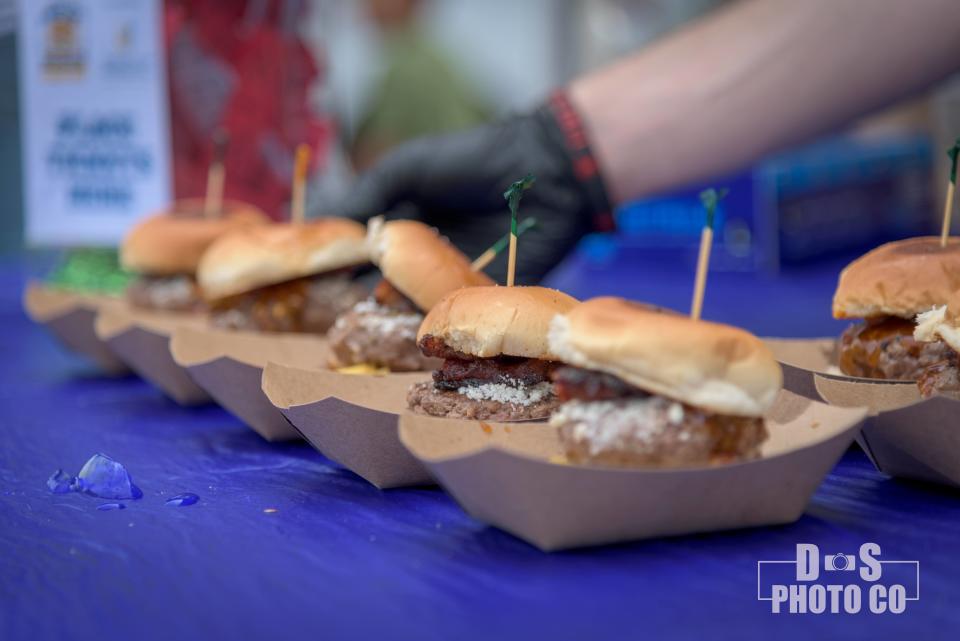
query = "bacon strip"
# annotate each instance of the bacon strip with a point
(588, 385)
(389, 296)
(459, 372)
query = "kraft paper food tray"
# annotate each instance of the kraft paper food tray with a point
(801, 358)
(229, 365)
(804, 359)
(905, 435)
(502, 474)
(69, 316)
(351, 419)
(141, 339)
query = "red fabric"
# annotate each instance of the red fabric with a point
(268, 73)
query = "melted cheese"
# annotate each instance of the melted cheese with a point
(364, 369)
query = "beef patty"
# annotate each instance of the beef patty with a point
(378, 335)
(502, 401)
(309, 305)
(179, 293)
(942, 377)
(499, 388)
(608, 421)
(885, 348)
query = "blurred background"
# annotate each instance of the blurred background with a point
(355, 78)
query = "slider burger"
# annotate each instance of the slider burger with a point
(165, 249)
(496, 362)
(887, 288)
(940, 327)
(419, 267)
(643, 388)
(284, 277)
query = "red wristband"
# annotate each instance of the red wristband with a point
(584, 164)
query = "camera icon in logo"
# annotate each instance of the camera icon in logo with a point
(845, 562)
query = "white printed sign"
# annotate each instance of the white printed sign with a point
(93, 118)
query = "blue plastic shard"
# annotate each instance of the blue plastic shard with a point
(103, 507)
(61, 483)
(183, 500)
(102, 476)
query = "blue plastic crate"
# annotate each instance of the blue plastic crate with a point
(825, 199)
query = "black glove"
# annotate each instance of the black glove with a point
(455, 182)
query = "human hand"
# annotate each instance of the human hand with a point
(456, 181)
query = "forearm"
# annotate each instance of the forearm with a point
(755, 77)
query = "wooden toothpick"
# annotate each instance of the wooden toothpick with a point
(710, 198)
(216, 176)
(513, 195)
(487, 257)
(301, 162)
(951, 186)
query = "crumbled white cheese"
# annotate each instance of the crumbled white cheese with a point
(512, 392)
(369, 306)
(175, 290)
(928, 324)
(376, 318)
(405, 325)
(675, 413)
(231, 318)
(608, 425)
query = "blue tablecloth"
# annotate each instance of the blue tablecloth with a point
(341, 559)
